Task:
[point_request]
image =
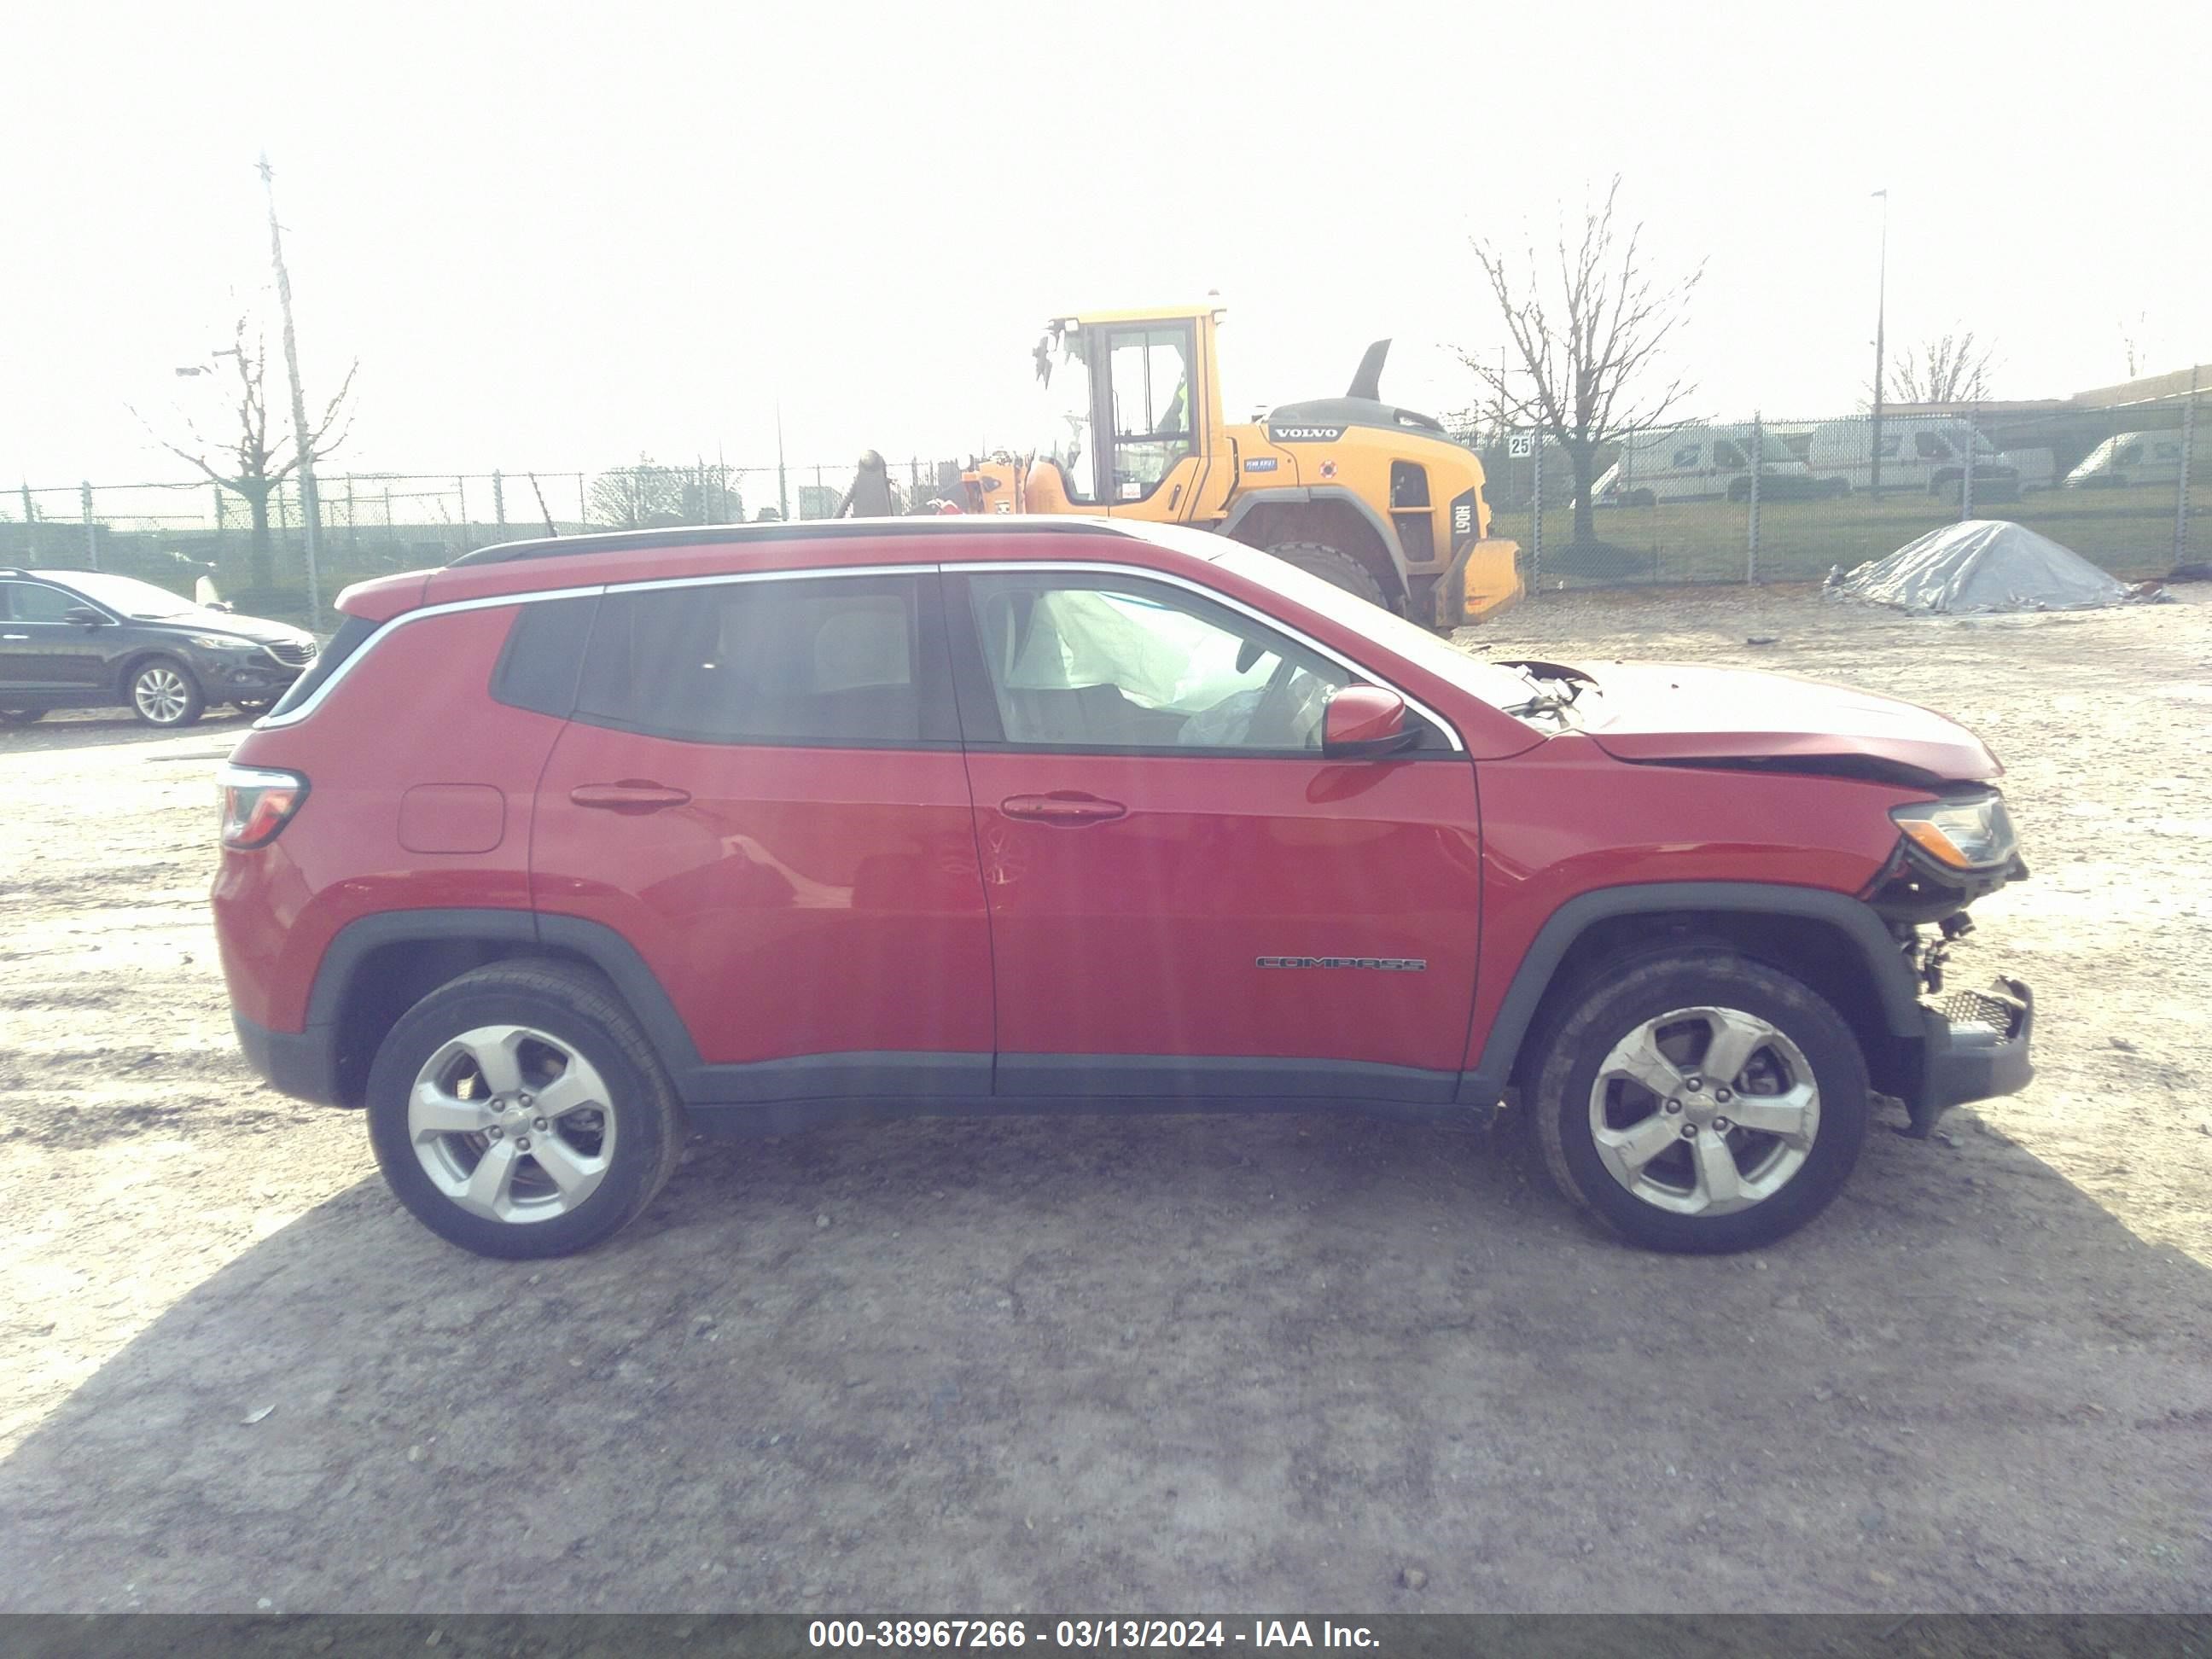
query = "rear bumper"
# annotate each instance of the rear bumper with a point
(302, 1064)
(1977, 1048)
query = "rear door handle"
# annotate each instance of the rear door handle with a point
(630, 795)
(1062, 806)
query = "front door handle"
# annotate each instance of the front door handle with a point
(1062, 806)
(630, 795)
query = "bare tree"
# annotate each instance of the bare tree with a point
(638, 497)
(248, 461)
(1588, 337)
(649, 494)
(1950, 368)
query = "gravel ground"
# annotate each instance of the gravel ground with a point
(1170, 1363)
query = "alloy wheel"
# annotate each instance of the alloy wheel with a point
(1705, 1111)
(511, 1123)
(161, 694)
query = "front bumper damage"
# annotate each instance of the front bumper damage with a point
(1975, 1048)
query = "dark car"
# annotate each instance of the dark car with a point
(87, 639)
(571, 846)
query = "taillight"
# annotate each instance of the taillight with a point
(257, 803)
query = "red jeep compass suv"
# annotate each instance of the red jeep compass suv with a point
(574, 844)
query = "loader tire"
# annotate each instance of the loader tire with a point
(1337, 569)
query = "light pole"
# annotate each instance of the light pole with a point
(303, 441)
(1880, 308)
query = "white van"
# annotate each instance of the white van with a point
(2130, 457)
(1700, 463)
(2038, 468)
(1917, 454)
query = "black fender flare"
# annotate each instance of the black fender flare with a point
(1248, 501)
(1895, 985)
(593, 942)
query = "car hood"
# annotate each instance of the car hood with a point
(259, 630)
(1733, 716)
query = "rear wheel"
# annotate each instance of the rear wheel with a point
(163, 693)
(518, 1111)
(1337, 569)
(1697, 1101)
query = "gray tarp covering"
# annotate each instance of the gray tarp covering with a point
(1982, 564)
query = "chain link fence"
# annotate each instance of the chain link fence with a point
(374, 524)
(2127, 487)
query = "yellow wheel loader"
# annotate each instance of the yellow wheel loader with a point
(1376, 500)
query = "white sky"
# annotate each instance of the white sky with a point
(558, 236)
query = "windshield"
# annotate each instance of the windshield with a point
(1501, 688)
(141, 600)
(1065, 380)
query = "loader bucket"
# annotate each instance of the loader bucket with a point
(1482, 582)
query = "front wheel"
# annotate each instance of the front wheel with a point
(1337, 569)
(518, 1111)
(1701, 1103)
(163, 693)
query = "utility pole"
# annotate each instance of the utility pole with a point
(782, 494)
(1880, 311)
(311, 505)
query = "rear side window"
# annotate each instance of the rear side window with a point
(832, 661)
(352, 633)
(538, 667)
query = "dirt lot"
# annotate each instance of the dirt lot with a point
(1173, 1364)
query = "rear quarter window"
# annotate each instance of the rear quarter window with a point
(353, 633)
(538, 666)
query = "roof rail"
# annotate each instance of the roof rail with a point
(723, 535)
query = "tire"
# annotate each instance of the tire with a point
(21, 716)
(564, 1031)
(162, 693)
(254, 706)
(1337, 569)
(1676, 1197)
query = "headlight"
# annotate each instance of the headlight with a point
(221, 642)
(1972, 833)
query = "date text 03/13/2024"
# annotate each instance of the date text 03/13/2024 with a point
(1084, 1634)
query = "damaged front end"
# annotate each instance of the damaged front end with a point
(1953, 850)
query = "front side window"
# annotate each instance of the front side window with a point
(1729, 457)
(35, 602)
(1929, 447)
(1149, 377)
(837, 661)
(129, 597)
(1075, 662)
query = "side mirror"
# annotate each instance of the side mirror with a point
(1364, 722)
(84, 615)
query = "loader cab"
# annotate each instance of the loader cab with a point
(1133, 405)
